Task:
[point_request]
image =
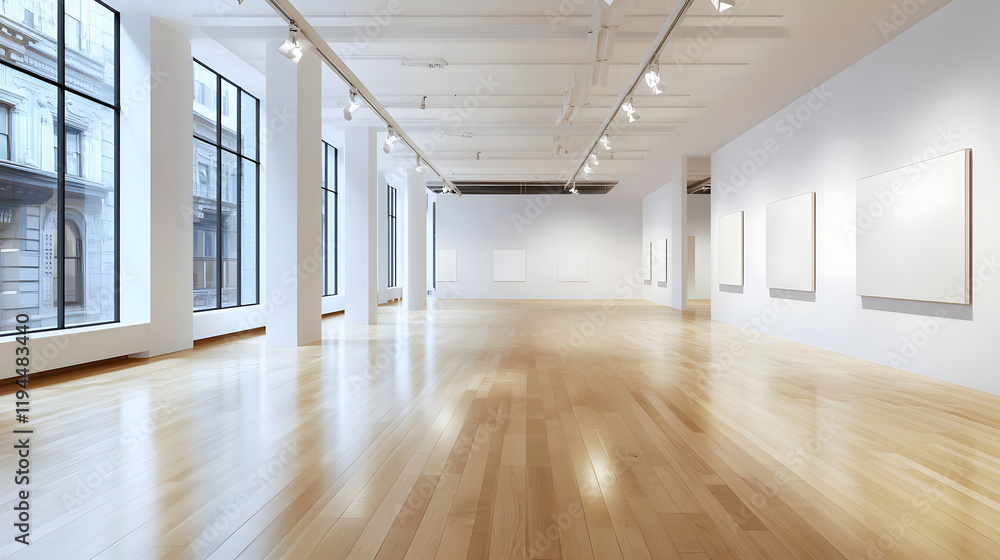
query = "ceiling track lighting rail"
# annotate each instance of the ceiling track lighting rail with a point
(325, 52)
(649, 63)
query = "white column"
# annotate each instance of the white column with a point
(677, 264)
(171, 327)
(293, 155)
(415, 243)
(361, 205)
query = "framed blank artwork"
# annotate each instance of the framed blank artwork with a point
(730, 256)
(791, 243)
(447, 265)
(510, 265)
(659, 265)
(574, 265)
(914, 236)
(647, 262)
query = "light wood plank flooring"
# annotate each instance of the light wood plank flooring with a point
(509, 430)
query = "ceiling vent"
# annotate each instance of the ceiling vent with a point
(425, 62)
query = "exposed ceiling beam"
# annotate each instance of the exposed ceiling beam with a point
(288, 11)
(654, 52)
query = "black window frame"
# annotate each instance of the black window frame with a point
(328, 195)
(391, 200)
(62, 87)
(221, 148)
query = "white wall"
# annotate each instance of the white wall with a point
(657, 209)
(700, 227)
(930, 91)
(475, 225)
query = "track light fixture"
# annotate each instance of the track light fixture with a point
(653, 78)
(629, 109)
(291, 48)
(587, 170)
(593, 160)
(573, 190)
(420, 166)
(390, 141)
(352, 105)
(723, 5)
(606, 142)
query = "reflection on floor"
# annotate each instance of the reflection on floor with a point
(483, 429)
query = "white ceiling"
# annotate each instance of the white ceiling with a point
(768, 54)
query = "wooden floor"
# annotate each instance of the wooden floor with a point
(509, 430)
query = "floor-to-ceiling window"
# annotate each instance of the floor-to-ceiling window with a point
(329, 209)
(391, 200)
(59, 179)
(226, 188)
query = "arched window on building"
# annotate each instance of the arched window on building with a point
(74, 264)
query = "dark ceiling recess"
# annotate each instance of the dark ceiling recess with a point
(528, 187)
(700, 187)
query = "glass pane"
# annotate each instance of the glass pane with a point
(331, 249)
(249, 124)
(90, 212)
(324, 237)
(29, 219)
(205, 103)
(229, 116)
(230, 227)
(206, 222)
(331, 170)
(90, 48)
(248, 295)
(34, 48)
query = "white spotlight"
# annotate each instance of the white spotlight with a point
(291, 49)
(587, 170)
(420, 166)
(723, 5)
(653, 78)
(390, 141)
(606, 142)
(593, 160)
(352, 105)
(629, 108)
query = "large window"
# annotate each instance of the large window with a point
(329, 193)
(59, 178)
(391, 199)
(226, 187)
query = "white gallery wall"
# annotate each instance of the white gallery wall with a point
(699, 226)
(474, 226)
(659, 210)
(931, 91)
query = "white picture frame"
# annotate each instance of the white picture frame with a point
(914, 234)
(790, 249)
(730, 249)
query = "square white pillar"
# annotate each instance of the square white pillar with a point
(361, 205)
(678, 259)
(415, 243)
(293, 160)
(171, 305)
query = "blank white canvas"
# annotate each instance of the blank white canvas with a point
(574, 265)
(730, 250)
(447, 266)
(510, 265)
(660, 260)
(791, 243)
(647, 258)
(914, 236)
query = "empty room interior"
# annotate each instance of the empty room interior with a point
(537, 279)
